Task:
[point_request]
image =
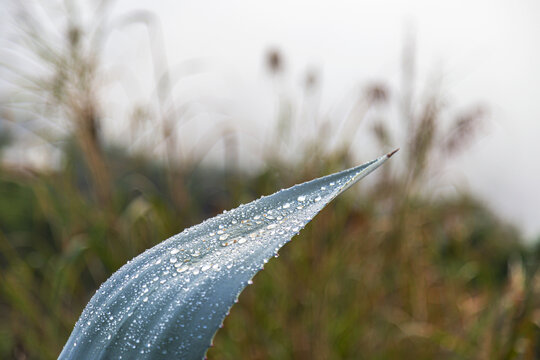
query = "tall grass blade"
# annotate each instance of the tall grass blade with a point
(169, 301)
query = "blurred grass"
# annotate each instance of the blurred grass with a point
(388, 271)
(380, 274)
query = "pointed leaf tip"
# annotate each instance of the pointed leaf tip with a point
(389, 155)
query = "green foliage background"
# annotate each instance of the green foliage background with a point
(380, 274)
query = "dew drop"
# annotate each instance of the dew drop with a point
(241, 240)
(318, 198)
(173, 260)
(182, 269)
(223, 237)
(286, 205)
(206, 267)
(174, 251)
(302, 198)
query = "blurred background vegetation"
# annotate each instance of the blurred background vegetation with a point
(390, 270)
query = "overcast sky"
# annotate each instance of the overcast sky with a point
(485, 51)
(481, 51)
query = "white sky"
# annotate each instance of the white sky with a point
(484, 51)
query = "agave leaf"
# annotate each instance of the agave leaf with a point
(169, 301)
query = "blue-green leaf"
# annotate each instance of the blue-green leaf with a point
(169, 301)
